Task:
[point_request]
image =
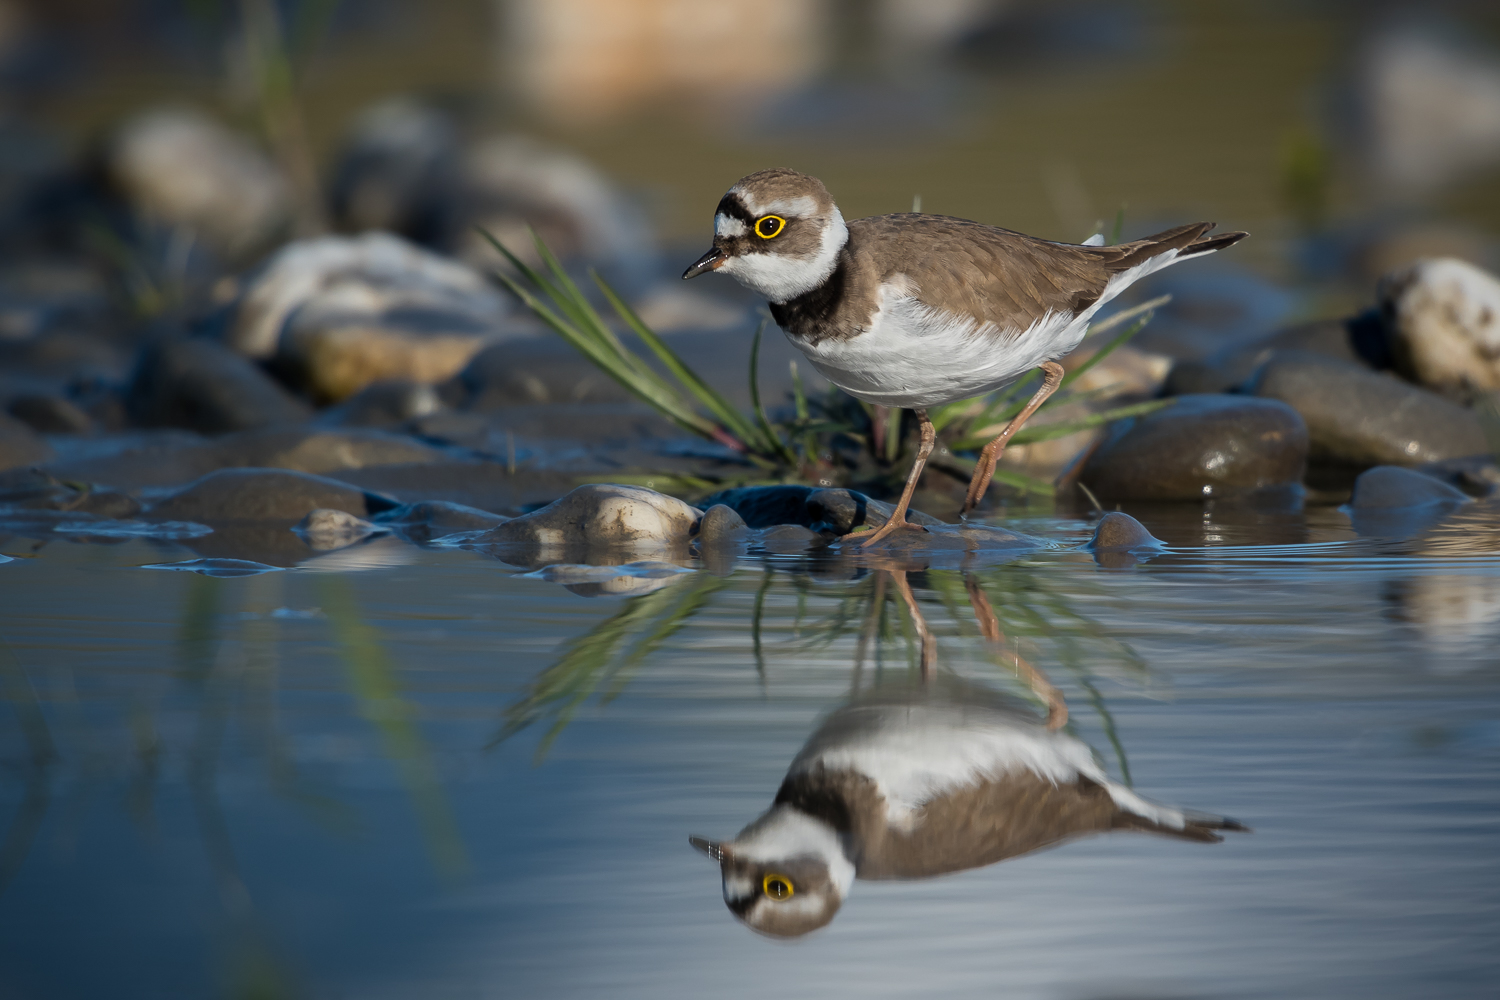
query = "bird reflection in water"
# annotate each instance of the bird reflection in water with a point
(910, 781)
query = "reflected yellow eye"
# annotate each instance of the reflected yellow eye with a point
(778, 887)
(768, 226)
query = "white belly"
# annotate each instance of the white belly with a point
(916, 356)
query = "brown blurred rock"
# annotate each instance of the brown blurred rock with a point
(50, 414)
(1443, 316)
(1198, 448)
(180, 168)
(202, 386)
(1359, 417)
(340, 313)
(1225, 369)
(324, 529)
(20, 445)
(263, 495)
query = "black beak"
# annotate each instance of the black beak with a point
(713, 848)
(708, 262)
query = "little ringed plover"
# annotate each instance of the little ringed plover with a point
(915, 310)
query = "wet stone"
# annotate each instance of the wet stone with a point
(1118, 530)
(602, 516)
(790, 539)
(1359, 417)
(263, 495)
(765, 506)
(721, 526)
(325, 529)
(20, 446)
(387, 403)
(430, 519)
(202, 386)
(1200, 447)
(841, 511)
(50, 414)
(1476, 475)
(1391, 486)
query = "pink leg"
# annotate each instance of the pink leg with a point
(898, 516)
(1052, 374)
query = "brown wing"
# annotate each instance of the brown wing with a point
(1000, 276)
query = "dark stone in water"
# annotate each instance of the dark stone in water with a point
(721, 526)
(1226, 368)
(1200, 447)
(217, 567)
(790, 539)
(1360, 417)
(50, 414)
(264, 495)
(1476, 475)
(387, 403)
(1387, 487)
(202, 386)
(20, 446)
(429, 519)
(1119, 539)
(833, 510)
(1117, 530)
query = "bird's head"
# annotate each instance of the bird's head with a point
(782, 878)
(777, 232)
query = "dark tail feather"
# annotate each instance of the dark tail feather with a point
(1200, 827)
(1209, 246)
(1187, 240)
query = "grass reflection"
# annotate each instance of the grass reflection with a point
(373, 683)
(606, 658)
(1015, 611)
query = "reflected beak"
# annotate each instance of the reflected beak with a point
(713, 848)
(708, 262)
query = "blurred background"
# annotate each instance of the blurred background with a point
(1346, 136)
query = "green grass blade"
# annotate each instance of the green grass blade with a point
(781, 449)
(732, 418)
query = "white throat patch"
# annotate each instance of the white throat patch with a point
(781, 278)
(785, 832)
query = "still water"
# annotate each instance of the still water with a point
(421, 772)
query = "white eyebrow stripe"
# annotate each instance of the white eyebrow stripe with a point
(799, 207)
(728, 225)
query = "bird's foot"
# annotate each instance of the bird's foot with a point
(890, 527)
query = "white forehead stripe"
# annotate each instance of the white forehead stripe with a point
(728, 225)
(798, 207)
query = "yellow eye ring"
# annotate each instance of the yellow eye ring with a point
(777, 887)
(769, 226)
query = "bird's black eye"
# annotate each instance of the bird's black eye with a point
(778, 887)
(768, 226)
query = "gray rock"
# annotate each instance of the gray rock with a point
(179, 168)
(721, 527)
(263, 495)
(38, 491)
(398, 172)
(1201, 447)
(526, 371)
(387, 403)
(837, 511)
(1228, 367)
(1443, 316)
(789, 539)
(325, 529)
(199, 385)
(1388, 486)
(1120, 541)
(339, 313)
(1119, 531)
(841, 511)
(1358, 417)
(1476, 475)
(602, 516)
(429, 519)
(50, 414)
(20, 445)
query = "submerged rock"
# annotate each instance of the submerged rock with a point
(339, 313)
(20, 446)
(721, 526)
(1200, 447)
(180, 168)
(602, 515)
(200, 385)
(263, 495)
(1476, 475)
(387, 403)
(324, 529)
(1120, 540)
(836, 511)
(1226, 368)
(50, 414)
(1444, 321)
(1359, 417)
(422, 522)
(1390, 486)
